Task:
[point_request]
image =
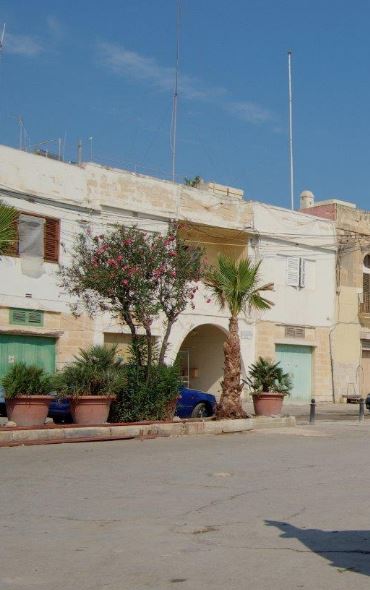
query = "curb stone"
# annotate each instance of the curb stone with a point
(45, 435)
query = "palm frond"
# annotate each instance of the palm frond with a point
(235, 284)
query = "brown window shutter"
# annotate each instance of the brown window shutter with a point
(13, 250)
(51, 239)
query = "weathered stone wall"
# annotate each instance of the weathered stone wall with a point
(70, 333)
(269, 334)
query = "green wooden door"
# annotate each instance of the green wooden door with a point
(32, 350)
(297, 361)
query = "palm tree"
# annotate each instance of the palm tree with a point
(235, 285)
(8, 230)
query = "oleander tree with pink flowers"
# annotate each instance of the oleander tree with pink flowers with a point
(137, 276)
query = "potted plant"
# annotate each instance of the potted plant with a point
(269, 385)
(91, 382)
(27, 398)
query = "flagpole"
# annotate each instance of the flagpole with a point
(291, 161)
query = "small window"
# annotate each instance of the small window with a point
(367, 262)
(296, 271)
(26, 317)
(51, 239)
(293, 271)
(366, 292)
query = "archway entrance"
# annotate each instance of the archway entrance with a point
(202, 359)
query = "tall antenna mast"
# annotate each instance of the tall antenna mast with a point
(21, 132)
(2, 38)
(91, 147)
(79, 152)
(291, 161)
(175, 94)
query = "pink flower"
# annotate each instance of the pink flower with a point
(172, 253)
(125, 282)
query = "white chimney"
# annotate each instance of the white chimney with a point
(307, 199)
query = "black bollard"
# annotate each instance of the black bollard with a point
(361, 410)
(312, 411)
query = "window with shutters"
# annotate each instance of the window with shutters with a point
(26, 317)
(365, 306)
(296, 271)
(51, 239)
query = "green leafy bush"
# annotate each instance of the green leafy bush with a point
(96, 371)
(265, 376)
(24, 379)
(140, 400)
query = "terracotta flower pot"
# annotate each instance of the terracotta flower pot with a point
(91, 409)
(28, 410)
(268, 403)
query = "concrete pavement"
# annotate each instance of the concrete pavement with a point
(279, 509)
(325, 411)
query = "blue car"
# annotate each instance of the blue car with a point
(195, 404)
(190, 404)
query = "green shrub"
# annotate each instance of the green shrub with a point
(265, 376)
(96, 371)
(140, 400)
(24, 379)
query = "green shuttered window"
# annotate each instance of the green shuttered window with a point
(26, 317)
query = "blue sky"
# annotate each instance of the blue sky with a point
(105, 69)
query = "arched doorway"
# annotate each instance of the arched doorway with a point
(201, 358)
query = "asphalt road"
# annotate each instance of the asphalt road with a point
(264, 510)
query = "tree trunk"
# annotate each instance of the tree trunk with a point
(149, 347)
(135, 338)
(230, 405)
(164, 345)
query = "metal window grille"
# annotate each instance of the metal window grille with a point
(294, 331)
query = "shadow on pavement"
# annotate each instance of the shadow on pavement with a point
(346, 550)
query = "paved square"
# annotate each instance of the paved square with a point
(264, 510)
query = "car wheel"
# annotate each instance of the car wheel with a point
(200, 411)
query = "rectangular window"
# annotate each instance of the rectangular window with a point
(26, 317)
(51, 239)
(296, 271)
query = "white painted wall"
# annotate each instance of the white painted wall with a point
(44, 291)
(283, 234)
(101, 196)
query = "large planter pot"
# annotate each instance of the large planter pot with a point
(91, 409)
(268, 403)
(28, 410)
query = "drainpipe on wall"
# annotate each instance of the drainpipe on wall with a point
(332, 363)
